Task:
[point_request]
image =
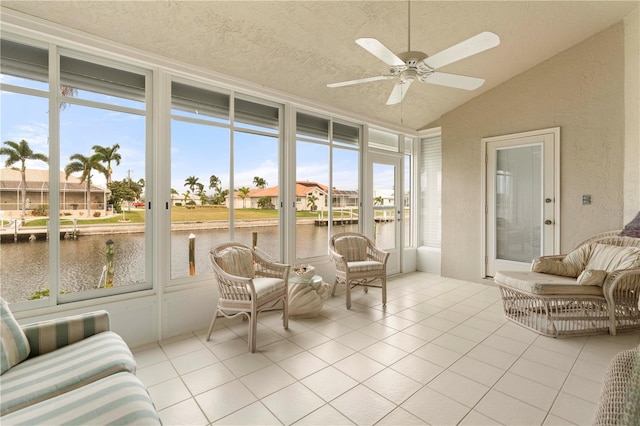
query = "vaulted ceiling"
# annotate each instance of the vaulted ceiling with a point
(297, 47)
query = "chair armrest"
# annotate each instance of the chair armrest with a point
(374, 253)
(622, 287)
(338, 259)
(233, 286)
(266, 268)
(47, 336)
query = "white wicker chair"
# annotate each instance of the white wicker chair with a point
(247, 285)
(610, 308)
(358, 262)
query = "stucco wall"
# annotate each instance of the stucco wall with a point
(581, 91)
(632, 117)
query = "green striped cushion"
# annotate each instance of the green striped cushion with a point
(352, 248)
(119, 399)
(14, 346)
(46, 336)
(65, 369)
(236, 261)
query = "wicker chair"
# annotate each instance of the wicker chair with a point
(557, 306)
(247, 285)
(618, 404)
(358, 262)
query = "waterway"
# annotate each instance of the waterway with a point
(24, 266)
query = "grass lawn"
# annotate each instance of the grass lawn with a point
(179, 214)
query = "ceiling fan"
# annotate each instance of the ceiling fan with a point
(410, 66)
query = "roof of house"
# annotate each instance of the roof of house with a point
(38, 179)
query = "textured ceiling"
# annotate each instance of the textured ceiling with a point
(298, 47)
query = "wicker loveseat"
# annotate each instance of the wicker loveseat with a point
(580, 293)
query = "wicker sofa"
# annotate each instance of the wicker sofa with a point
(71, 370)
(580, 293)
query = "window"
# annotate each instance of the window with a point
(431, 187)
(220, 189)
(327, 182)
(407, 199)
(97, 175)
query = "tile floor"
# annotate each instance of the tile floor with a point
(441, 353)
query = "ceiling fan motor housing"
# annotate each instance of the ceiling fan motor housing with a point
(414, 67)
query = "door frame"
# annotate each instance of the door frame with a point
(555, 132)
(394, 263)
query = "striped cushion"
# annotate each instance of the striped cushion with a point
(14, 346)
(119, 399)
(352, 248)
(46, 336)
(265, 286)
(65, 369)
(592, 277)
(611, 258)
(365, 266)
(236, 261)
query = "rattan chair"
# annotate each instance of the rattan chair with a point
(358, 262)
(248, 284)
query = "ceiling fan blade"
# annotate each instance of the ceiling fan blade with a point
(476, 44)
(360, 80)
(454, 80)
(398, 93)
(380, 51)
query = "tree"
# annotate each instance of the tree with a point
(378, 201)
(108, 154)
(311, 202)
(20, 153)
(242, 193)
(214, 183)
(259, 182)
(265, 202)
(191, 182)
(121, 191)
(83, 164)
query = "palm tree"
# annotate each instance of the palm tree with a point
(108, 155)
(191, 182)
(214, 183)
(311, 202)
(378, 200)
(83, 164)
(259, 182)
(20, 153)
(242, 193)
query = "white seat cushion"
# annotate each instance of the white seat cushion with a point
(365, 266)
(267, 285)
(545, 284)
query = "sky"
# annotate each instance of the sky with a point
(196, 150)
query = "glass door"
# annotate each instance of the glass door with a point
(385, 223)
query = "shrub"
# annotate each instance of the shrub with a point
(41, 210)
(96, 214)
(178, 204)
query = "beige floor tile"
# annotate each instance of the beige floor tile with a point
(459, 388)
(582, 388)
(574, 409)
(356, 340)
(508, 410)
(253, 414)
(331, 351)
(363, 406)
(302, 365)
(359, 366)
(492, 356)
(308, 339)
(437, 354)
(293, 403)
(246, 363)
(280, 350)
(549, 358)
(329, 383)
(526, 390)
(207, 378)
(325, 415)
(384, 353)
(476, 370)
(417, 368)
(267, 380)
(193, 361)
(435, 408)
(394, 386)
(400, 416)
(156, 373)
(181, 347)
(404, 341)
(539, 373)
(168, 393)
(473, 418)
(221, 401)
(185, 413)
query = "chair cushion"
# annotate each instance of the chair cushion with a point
(236, 261)
(365, 266)
(592, 277)
(64, 369)
(118, 399)
(14, 346)
(352, 247)
(611, 258)
(569, 266)
(545, 284)
(267, 285)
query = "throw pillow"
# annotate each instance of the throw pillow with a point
(611, 258)
(592, 277)
(14, 346)
(569, 266)
(237, 261)
(632, 229)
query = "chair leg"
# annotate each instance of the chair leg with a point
(253, 331)
(347, 287)
(213, 321)
(285, 314)
(333, 289)
(384, 290)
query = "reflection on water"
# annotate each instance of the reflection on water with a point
(24, 265)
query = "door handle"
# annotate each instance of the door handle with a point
(548, 222)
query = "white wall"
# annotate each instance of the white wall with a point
(632, 115)
(581, 90)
